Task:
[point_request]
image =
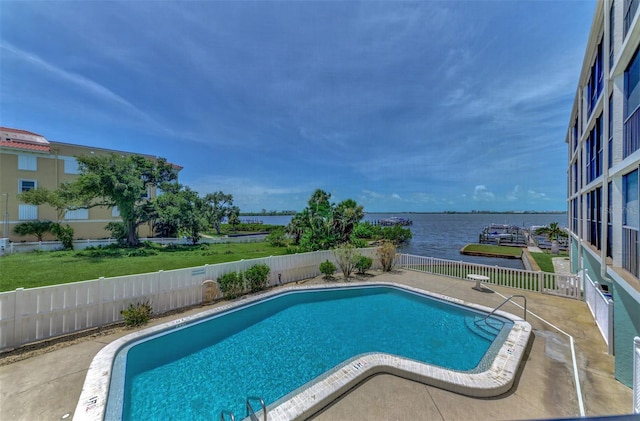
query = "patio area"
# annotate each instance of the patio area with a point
(47, 386)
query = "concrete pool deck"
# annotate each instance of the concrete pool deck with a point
(48, 386)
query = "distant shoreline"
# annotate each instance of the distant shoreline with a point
(288, 213)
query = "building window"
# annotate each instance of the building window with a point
(609, 221)
(612, 21)
(575, 176)
(28, 162)
(594, 217)
(631, 222)
(77, 214)
(574, 215)
(27, 212)
(630, 7)
(574, 134)
(26, 185)
(71, 166)
(115, 212)
(594, 87)
(610, 130)
(632, 105)
(594, 152)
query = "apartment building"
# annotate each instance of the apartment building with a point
(604, 166)
(27, 161)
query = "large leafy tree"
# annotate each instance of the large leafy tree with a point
(219, 206)
(122, 181)
(180, 210)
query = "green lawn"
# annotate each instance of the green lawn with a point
(545, 262)
(489, 249)
(30, 270)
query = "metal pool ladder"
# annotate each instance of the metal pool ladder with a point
(250, 411)
(223, 416)
(505, 302)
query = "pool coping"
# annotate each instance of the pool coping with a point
(314, 396)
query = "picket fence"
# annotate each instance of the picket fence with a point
(601, 307)
(636, 375)
(569, 286)
(7, 247)
(35, 314)
(31, 315)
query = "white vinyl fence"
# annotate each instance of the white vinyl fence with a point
(25, 247)
(601, 307)
(569, 286)
(30, 315)
(636, 375)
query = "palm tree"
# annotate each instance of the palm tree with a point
(553, 232)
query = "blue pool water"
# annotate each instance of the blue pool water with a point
(275, 346)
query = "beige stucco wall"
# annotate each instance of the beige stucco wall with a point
(50, 174)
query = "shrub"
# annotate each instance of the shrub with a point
(256, 277)
(365, 230)
(327, 269)
(37, 228)
(277, 237)
(363, 264)
(231, 284)
(386, 254)
(141, 252)
(118, 231)
(396, 233)
(64, 233)
(137, 314)
(346, 257)
(358, 242)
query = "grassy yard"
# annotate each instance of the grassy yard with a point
(36, 269)
(491, 250)
(545, 262)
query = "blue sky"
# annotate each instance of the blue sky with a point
(401, 106)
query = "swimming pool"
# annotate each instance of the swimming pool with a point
(300, 348)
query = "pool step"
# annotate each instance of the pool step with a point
(485, 328)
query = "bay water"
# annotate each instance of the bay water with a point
(442, 235)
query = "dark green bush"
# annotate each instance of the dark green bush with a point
(366, 230)
(277, 237)
(231, 284)
(396, 233)
(137, 314)
(363, 264)
(256, 277)
(327, 268)
(141, 252)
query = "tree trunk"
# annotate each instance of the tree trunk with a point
(555, 249)
(132, 235)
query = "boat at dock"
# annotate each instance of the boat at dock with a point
(504, 235)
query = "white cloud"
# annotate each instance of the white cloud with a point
(482, 194)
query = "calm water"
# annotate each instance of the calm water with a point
(443, 235)
(274, 347)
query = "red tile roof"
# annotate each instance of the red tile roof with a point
(9, 129)
(22, 139)
(25, 146)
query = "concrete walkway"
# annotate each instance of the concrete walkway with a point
(47, 386)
